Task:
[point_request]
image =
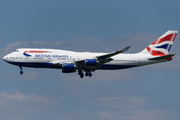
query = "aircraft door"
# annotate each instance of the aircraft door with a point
(139, 61)
(26, 59)
(49, 59)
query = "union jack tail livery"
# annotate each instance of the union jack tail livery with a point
(162, 45)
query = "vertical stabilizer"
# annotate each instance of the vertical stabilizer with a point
(162, 45)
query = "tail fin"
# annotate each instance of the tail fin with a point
(162, 45)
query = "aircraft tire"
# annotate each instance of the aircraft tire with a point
(21, 72)
(82, 75)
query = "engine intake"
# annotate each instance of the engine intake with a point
(91, 62)
(68, 68)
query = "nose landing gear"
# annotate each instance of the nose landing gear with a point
(21, 72)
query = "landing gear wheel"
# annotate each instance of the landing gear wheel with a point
(82, 75)
(88, 74)
(21, 72)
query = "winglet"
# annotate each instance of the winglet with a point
(125, 49)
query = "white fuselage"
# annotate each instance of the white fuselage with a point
(50, 57)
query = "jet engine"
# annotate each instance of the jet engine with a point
(68, 68)
(91, 62)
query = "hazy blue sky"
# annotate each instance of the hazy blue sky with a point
(144, 93)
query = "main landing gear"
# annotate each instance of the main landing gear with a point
(80, 72)
(88, 74)
(21, 72)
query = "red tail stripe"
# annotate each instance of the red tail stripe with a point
(149, 49)
(157, 53)
(154, 52)
(154, 42)
(174, 37)
(166, 38)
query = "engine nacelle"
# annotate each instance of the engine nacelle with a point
(91, 62)
(68, 68)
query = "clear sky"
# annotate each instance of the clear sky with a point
(144, 93)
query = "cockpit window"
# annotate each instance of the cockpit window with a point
(16, 50)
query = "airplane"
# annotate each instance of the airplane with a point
(70, 61)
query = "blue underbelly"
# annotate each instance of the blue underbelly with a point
(35, 65)
(50, 65)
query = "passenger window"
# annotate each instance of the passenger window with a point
(16, 50)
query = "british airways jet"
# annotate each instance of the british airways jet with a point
(70, 61)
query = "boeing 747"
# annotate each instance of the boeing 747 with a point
(85, 62)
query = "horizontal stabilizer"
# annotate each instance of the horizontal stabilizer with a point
(162, 57)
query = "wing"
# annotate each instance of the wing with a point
(102, 59)
(107, 57)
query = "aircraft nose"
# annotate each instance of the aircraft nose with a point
(4, 58)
